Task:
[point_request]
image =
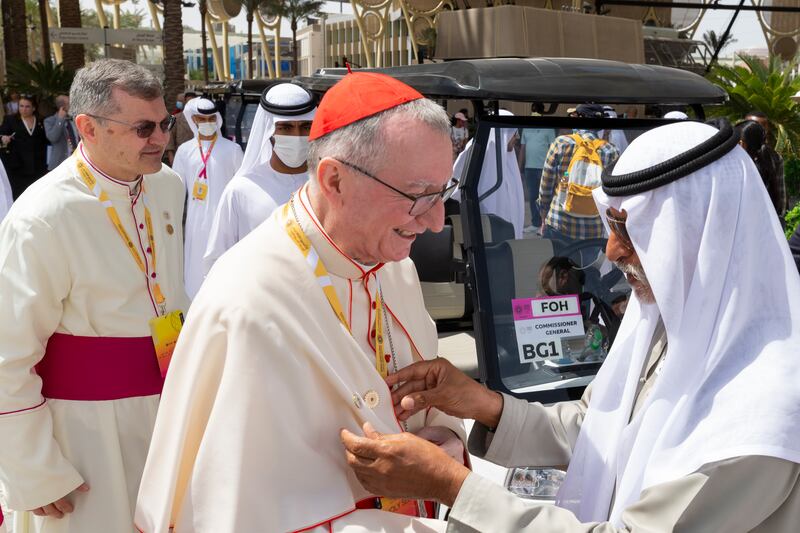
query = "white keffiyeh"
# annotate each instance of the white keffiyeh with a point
(729, 295)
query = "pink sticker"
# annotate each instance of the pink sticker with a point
(522, 308)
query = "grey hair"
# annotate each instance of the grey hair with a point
(364, 144)
(91, 90)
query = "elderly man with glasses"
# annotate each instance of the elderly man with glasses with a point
(296, 326)
(91, 277)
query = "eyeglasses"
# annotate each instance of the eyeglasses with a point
(421, 203)
(146, 127)
(619, 229)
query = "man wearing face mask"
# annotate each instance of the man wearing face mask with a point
(274, 167)
(206, 164)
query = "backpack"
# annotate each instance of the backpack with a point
(583, 175)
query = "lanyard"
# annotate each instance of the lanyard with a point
(204, 173)
(300, 239)
(102, 196)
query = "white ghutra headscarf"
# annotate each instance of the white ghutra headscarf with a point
(200, 106)
(728, 292)
(259, 148)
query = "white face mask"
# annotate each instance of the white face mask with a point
(207, 129)
(292, 150)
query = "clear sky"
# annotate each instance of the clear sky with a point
(746, 30)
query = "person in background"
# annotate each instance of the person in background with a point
(776, 187)
(181, 132)
(24, 137)
(61, 132)
(12, 106)
(534, 145)
(6, 197)
(205, 164)
(275, 165)
(459, 134)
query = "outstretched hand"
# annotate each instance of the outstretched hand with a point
(61, 506)
(437, 383)
(403, 465)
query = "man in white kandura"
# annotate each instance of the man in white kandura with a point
(294, 329)
(275, 165)
(205, 164)
(508, 201)
(691, 423)
(90, 261)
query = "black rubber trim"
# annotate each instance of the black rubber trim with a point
(672, 169)
(289, 111)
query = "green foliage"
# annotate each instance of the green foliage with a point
(196, 74)
(765, 87)
(791, 175)
(792, 218)
(39, 79)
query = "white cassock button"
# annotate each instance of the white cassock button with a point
(372, 399)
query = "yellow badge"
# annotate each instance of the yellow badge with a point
(200, 191)
(165, 330)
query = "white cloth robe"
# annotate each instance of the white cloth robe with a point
(6, 198)
(64, 269)
(222, 164)
(262, 381)
(247, 201)
(508, 201)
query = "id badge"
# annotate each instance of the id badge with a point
(400, 506)
(199, 191)
(165, 330)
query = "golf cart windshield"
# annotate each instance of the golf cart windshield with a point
(551, 300)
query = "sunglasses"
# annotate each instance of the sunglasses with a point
(422, 203)
(619, 229)
(145, 128)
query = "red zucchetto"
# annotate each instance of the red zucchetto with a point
(358, 95)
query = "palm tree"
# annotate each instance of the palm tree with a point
(174, 68)
(294, 10)
(767, 87)
(250, 8)
(713, 40)
(15, 38)
(73, 54)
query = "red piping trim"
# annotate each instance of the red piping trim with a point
(144, 255)
(26, 409)
(325, 234)
(328, 521)
(125, 184)
(350, 308)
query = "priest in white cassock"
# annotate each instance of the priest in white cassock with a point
(275, 165)
(691, 423)
(90, 255)
(6, 198)
(295, 327)
(206, 164)
(507, 201)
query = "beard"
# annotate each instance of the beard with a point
(642, 287)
